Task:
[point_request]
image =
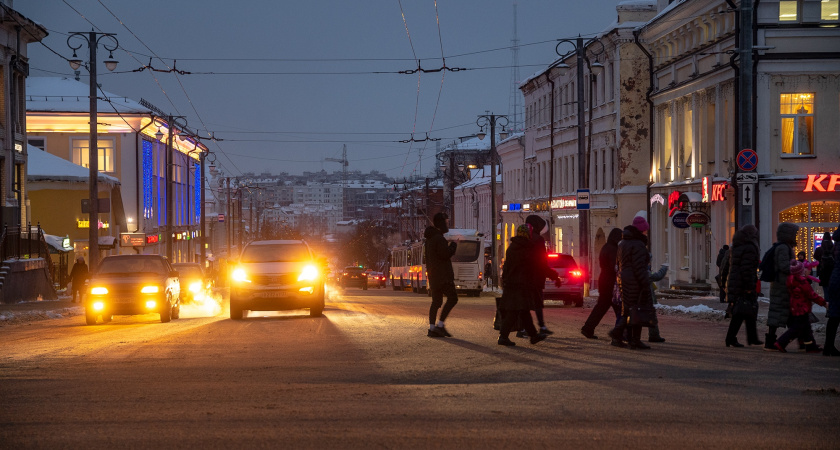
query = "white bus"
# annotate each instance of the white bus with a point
(408, 264)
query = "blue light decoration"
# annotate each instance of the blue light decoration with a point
(197, 201)
(148, 167)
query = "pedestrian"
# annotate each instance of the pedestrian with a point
(740, 285)
(802, 295)
(78, 276)
(779, 311)
(440, 273)
(488, 273)
(653, 331)
(824, 254)
(606, 284)
(723, 255)
(723, 271)
(540, 270)
(633, 281)
(517, 289)
(832, 296)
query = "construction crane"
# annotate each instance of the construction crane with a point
(344, 163)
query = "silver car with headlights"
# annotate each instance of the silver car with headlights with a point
(277, 276)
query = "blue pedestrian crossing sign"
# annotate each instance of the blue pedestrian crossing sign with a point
(747, 160)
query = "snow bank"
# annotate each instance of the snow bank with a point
(17, 317)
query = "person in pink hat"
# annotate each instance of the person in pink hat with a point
(802, 295)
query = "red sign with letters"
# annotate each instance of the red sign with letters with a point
(815, 183)
(152, 238)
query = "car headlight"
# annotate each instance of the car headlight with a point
(98, 306)
(239, 275)
(99, 290)
(151, 304)
(195, 286)
(150, 290)
(309, 273)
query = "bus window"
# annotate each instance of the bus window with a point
(467, 251)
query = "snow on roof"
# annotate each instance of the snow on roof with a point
(62, 94)
(57, 242)
(43, 166)
(479, 177)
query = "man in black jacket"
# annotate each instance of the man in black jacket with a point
(606, 284)
(723, 272)
(540, 270)
(441, 275)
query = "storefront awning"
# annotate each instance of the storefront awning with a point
(56, 244)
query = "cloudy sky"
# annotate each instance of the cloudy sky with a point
(286, 84)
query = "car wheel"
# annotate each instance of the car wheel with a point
(364, 288)
(166, 312)
(107, 318)
(90, 317)
(579, 302)
(176, 312)
(318, 309)
(235, 312)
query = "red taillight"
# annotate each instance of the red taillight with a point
(576, 273)
(553, 255)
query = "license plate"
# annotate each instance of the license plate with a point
(274, 294)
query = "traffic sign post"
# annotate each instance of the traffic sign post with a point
(583, 199)
(746, 181)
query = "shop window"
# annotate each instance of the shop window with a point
(814, 220)
(828, 10)
(81, 153)
(788, 11)
(797, 112)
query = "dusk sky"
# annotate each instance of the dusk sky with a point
(286, 84)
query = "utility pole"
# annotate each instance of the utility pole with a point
(746, 125)
(483, 120)
(583, 169)
(229, 217)
(170, 194)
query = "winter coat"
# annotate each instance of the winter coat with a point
(825, 249)
(802, 295)
(725, 265)
(606, 260)
(438, 259)
(517, 291)
(633, 269)
(743, 264)
(540, 270)
(832, 294)
(779, 312)
(721, 255)
(654, 277)
(78, 274)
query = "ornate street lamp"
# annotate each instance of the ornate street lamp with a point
(92, 39)
(492, 120)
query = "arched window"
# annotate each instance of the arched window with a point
(814, 220)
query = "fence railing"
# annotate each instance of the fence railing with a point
(25, 243)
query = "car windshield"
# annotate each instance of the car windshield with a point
(561, 261)
(188, 271)
(132, 265)
(353, 270)
(276, 253)
(467, 251)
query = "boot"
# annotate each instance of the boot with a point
(812, 347)
(636, 339)
(769, 342)
(654, 336)
(733, 343)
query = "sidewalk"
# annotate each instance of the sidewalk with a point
(14, 313)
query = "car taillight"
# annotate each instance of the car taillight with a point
(576, 273)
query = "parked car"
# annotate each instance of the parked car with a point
(375, 279)
(571, 276)
(195, 287)
(277, 276)
(133, 284)
(354, 276)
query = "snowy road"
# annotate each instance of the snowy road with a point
(365, 375)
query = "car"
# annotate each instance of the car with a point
(133, 284)
(195, 286)
(375, 279)
(277, 275)
(354, 276)
(571, 277)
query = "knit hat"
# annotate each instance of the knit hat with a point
(537, 223)
(796, 267)
(641, 224)
(524, 230)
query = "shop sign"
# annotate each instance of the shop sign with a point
(657, 198)
(152, 238)
(564, 203)
(526, 207)
(697, 219)
(514, 207)
(815, 183)
(674, 203)
(221, 217)
(713, 192)
(680, 220)
(132, 239)
(86, 224)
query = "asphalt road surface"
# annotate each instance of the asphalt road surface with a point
(366, 376)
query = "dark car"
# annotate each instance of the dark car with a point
(571, 276)
(354, 276)
(277, 276)
(133, 284)
(195, 287)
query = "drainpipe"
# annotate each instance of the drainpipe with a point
(138, 160)
(756, 57)
(551, 165)
(650, 115)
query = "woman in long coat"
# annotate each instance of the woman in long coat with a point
(740, 285)
(832, 296)
(779, 312)
(517, 288)
(633, 280)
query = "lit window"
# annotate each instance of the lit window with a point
(106, 153)
(797, 111)
(788, 10)
(828, 10)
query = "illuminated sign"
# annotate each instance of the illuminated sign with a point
(526, 207)
(514, 207)
(564, 203)
(86, 224)
(657, 198)
(713, 192)
(815, 183)
(680, 220)
(674, 203)
(152, 238)
(504, 207)
(132, 239)
(697, 219)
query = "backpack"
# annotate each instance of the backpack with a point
(826, 266)
(767, 266)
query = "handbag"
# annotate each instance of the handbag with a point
(642, 316)
(746, 306)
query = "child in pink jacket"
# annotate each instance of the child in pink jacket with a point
(801, 297)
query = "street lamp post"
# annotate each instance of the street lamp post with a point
(579, 50)
(482, 121)
(92, 39)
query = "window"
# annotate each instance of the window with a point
(81, 153)
(797, 111)
(37, 142)
(828, 10)
(788, 11)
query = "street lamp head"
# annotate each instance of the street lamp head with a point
(597, 68)
(560, 69)
(503, 134)
(74, 61)
(461, 167)
(159, 134)
(481, 134)
(110, 63)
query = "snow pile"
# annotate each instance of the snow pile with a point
(701, 312)
(17, 317)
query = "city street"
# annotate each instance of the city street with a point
(365, 376)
